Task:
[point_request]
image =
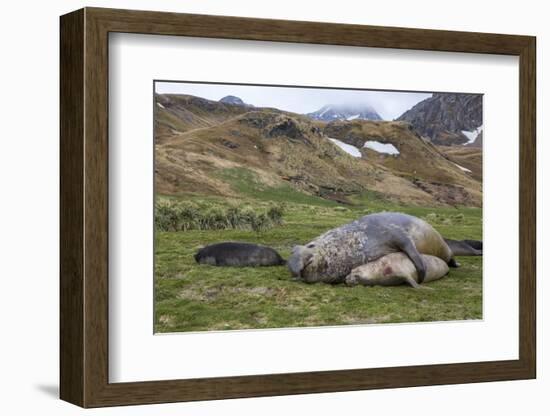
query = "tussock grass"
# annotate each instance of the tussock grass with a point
(186, 216)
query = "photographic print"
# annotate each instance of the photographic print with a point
(289, 206)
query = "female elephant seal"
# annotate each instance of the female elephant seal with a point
(396, 269)
(332, 256)
(238, 254)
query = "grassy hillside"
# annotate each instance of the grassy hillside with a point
(257, 145)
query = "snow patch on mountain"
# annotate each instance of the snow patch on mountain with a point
(462, 168)
(379, 147)
(472, 135)
(348, 148)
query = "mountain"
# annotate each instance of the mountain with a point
(231, 99)
(447, 119)
(212, 148)
(345, 112)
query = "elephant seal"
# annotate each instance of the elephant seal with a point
(395, 269)
(465, 247)
(238, 254)
(477, 244)
(332, 256)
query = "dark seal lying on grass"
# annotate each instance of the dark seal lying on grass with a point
(332, 256)
(238, 254)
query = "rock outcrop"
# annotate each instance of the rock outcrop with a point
(444, 117)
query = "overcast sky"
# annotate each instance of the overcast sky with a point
(389, 104)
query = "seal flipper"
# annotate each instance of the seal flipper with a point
(408, 247)
(453, 263)
(412, 282)
(415, 285)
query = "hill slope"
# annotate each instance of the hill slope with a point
(411, 157)
(176, 114)
(211, 148)
(467, 157)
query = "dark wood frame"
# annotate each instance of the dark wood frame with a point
(84, 207)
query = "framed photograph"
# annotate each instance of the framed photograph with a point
(255, 207)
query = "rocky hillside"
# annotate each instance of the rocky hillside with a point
(345, 112)
(227, 149)
(447, 119)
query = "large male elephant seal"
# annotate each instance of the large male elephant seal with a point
(238, 254)
(332, 256)
(395, 269)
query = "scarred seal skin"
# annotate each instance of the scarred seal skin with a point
(238, 254)
(395, 269)
(332, 256)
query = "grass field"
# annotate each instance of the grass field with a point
(192, 297)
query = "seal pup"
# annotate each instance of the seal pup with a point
(465, 247)
(395, 269)
(332, 256)
(238, 254)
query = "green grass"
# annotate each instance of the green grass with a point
(246, 183)
(192, 297)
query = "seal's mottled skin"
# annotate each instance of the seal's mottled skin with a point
(395, 269)
(332, 256)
